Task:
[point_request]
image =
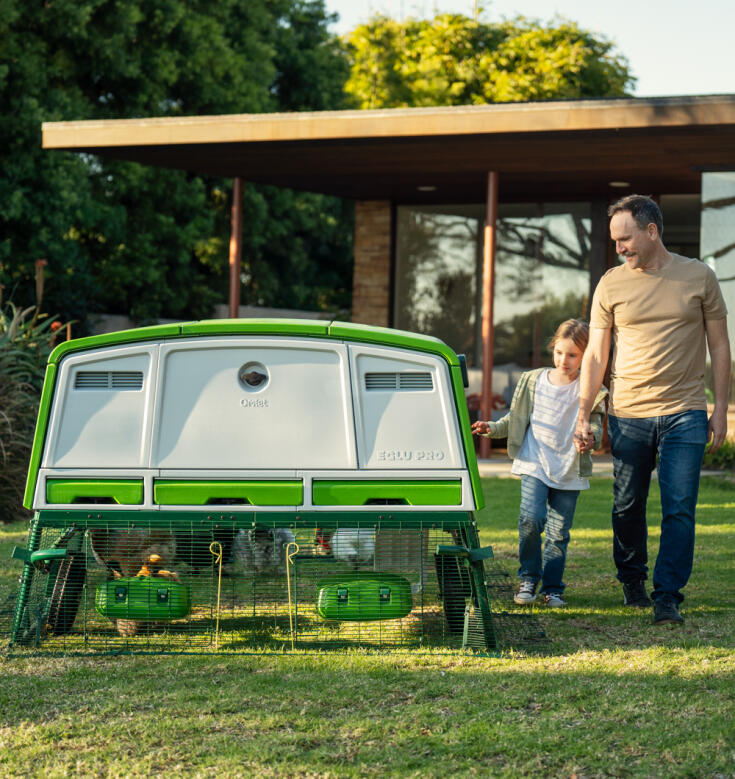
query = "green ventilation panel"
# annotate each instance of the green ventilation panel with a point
(128, 492)
(399, 491)
(173, 492)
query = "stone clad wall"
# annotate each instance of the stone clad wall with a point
(371, 280)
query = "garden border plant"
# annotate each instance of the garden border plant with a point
(27, 337)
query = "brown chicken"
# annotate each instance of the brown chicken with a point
(152, 568)
(127, 551)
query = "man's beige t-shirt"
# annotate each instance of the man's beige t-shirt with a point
(657, 320)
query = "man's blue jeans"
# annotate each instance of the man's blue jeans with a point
(544, 509)
(678, 440)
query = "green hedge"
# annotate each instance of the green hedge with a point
(723, 459)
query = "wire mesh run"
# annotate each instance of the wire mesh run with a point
(124, 586)
(516, 628)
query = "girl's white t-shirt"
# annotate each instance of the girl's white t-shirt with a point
(548, 451)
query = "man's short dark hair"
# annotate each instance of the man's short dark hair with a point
(644, 210)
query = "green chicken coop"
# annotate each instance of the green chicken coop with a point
(253, 485)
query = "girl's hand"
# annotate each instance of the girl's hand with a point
(584, 441)
(480, 428)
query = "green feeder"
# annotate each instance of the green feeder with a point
(143, 598)
(364, 596)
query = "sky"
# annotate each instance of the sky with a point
(674, 47)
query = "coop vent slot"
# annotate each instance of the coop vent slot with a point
(106, 380)
(407, 381)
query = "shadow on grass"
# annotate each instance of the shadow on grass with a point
(95, 680)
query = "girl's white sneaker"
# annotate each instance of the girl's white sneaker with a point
(554, 600)
(526, 593)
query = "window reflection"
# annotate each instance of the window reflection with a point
(717, 242)
(542, 276)
(439, 274)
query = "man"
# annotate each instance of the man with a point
(659, 308)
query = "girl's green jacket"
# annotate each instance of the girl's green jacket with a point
(514, 424)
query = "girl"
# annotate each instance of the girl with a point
(540, 431)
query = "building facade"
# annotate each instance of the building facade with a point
(489, 269)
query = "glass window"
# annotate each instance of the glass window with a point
(542, 269)
(542, 277)
(438, 282)
(717, 241)
(681, 223)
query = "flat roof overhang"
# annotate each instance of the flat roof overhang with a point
(553, 150)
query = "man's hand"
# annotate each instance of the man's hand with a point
(584, 441)
(480, 428)
(717, 429)
(719, 351)
(593, 367)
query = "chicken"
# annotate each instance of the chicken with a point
(151, 567)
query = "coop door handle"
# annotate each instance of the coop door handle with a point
(473, 555)
(39, 557)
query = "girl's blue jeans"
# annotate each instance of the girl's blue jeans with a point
(551, 511)
(678, 441)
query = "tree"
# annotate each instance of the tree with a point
(453, 60)
(150, 242)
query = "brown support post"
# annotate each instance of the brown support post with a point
(235, 247)
(488, 299)
(40, 265)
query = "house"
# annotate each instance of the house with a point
(482, 225)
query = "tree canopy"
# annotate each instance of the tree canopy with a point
(125, 238)
(152, 243)
(453, 60)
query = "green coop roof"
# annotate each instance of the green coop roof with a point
(341, 331)
(297, 327)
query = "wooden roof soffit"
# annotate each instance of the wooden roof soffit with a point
(554, 116)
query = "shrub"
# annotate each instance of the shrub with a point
(26, 339)
(723, 459)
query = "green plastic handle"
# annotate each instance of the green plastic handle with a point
(456, 551)
(47, 554)
(36, 557)
(484, 553)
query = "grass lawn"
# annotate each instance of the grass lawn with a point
(610, 696)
